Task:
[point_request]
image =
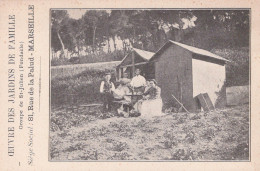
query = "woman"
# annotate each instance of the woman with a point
(106, 89)
(151, 104)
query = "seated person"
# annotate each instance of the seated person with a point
(151, 104)
(147, 86)
(120, 94)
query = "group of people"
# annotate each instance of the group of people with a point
(148, 103)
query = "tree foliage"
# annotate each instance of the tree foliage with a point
(147, 29)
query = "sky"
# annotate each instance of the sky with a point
(76, 13)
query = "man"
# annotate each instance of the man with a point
(106, 89)
(138, 82)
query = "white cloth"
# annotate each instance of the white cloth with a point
(138, 81)
(125, 80)
(150, 108)
(120, 92)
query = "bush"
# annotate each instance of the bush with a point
(237, 71)
(60, 61)
(84, 85)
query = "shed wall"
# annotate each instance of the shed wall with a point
(173, 72)
(208, 78)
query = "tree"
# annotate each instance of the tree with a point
(222, 28)
(76, 32)
(148, 29)
(58, 20)
(93, 22)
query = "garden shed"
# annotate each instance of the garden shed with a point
(137, 58)
(186, 72)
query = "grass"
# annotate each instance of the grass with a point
(222, 134)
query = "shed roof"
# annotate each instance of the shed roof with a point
(146, 55)
(191, 49)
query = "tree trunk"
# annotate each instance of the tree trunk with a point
(124, 46)
(78, 47)
(131, 42)
(94, 37)
(108, 46)
(114, 39)
(134, 36)
(62, 45)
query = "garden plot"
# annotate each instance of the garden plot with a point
(222, 134)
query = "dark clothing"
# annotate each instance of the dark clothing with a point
(153, 93)
(107, 99)
(107, 87)
(139, 90)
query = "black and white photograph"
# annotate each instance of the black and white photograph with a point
(150, 84)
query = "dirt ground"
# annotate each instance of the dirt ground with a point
(222, 134)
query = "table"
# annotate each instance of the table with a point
(125, 103)
(135, 97)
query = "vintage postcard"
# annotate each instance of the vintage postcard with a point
(136, 85)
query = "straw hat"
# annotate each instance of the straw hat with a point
(153, 80)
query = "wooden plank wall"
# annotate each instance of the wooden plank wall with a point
(174, 75)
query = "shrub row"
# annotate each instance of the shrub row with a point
(85, 86)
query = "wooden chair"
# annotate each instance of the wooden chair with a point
(123, 103)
